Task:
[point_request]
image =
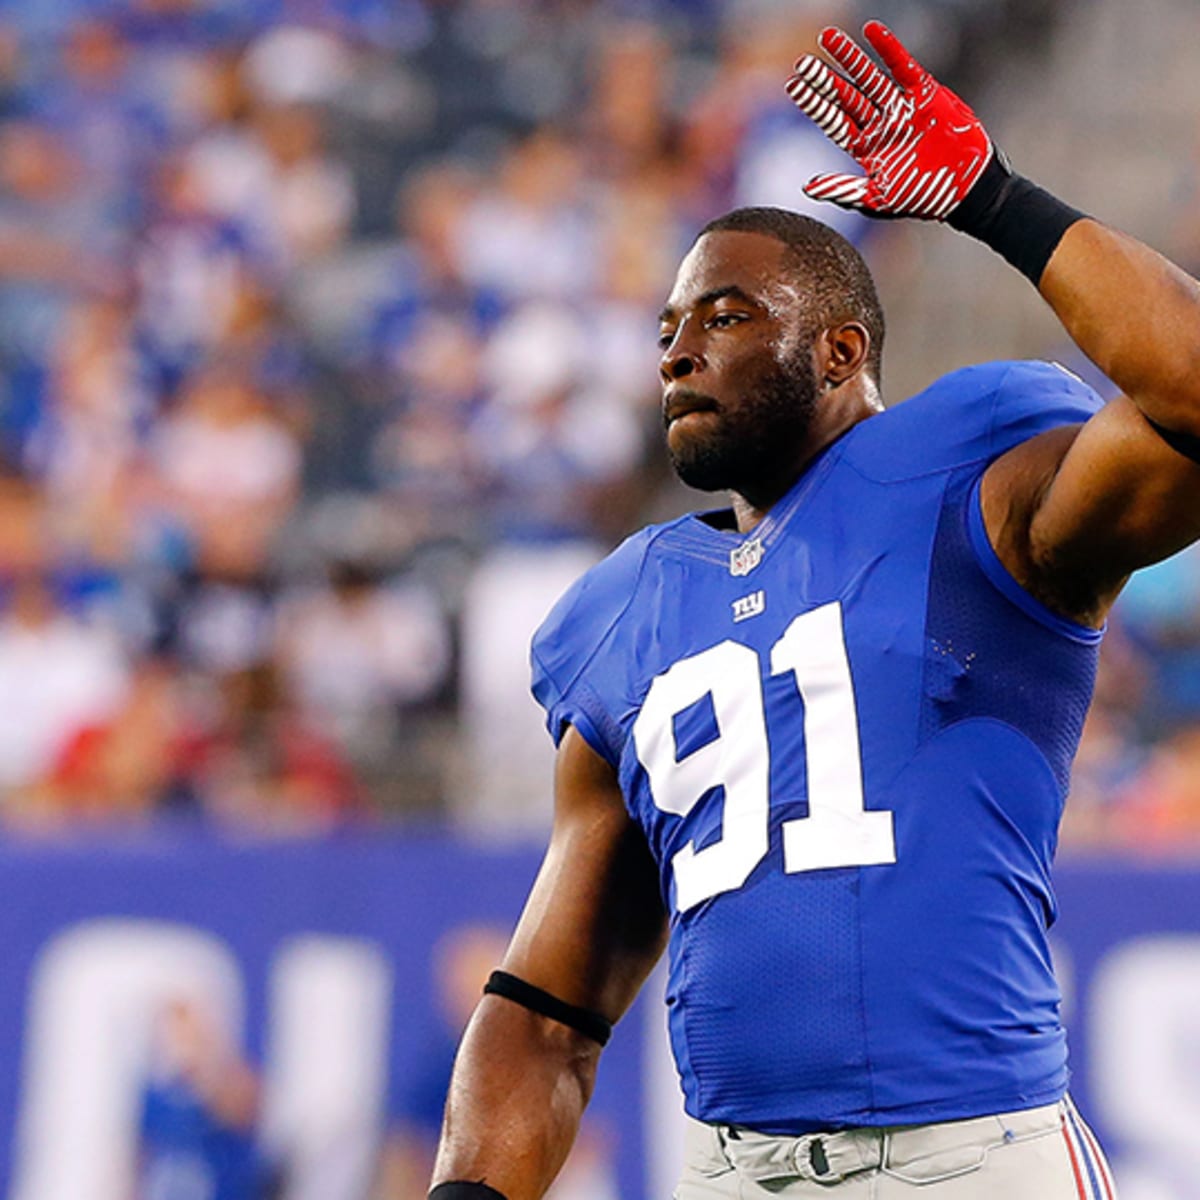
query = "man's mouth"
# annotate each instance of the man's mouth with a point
(682, 403)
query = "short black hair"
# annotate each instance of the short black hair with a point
(835, 276)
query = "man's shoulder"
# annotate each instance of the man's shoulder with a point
(580, 622)
(971, 415)
(586, 649)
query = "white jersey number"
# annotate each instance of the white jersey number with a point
(838, 831)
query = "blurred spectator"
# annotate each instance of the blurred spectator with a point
(85, 444)
(102, 109)
(302, 203)
(229, 468)
(126, 767)
(57, 672)
(552, 435)
(427, 336)
(223, 624)
(357, 651)
(190, 264)
(263, 766)
(422, 453)
(53, 244)
(629, 118)
(199, 1112)
(529, 235)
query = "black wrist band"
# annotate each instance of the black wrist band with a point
(582, 1020)
(1022, 222)
(464, 1189)
(1186, 444)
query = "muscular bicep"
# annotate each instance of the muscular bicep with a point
(594, 924)
(1073, 512)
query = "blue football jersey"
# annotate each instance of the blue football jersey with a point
(847, 737)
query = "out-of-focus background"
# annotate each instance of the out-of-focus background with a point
(327, 360)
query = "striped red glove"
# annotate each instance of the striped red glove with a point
(921, 147)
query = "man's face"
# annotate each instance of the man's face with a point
(739, 387)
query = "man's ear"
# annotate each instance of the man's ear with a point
(842, 352)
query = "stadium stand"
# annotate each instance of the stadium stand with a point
(298, 333)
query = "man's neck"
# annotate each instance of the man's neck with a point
(745, 514)
(751, 506)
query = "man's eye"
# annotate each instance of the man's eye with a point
(724, 320)
(665, 338)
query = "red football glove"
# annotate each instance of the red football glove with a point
(921, 147)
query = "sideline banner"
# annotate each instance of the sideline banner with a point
(339, 970)
(1127, 949)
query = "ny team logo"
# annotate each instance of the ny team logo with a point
(752, 605)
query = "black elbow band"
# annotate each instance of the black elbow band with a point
(464, 1189)
(1022, 222)
(582, 1020)
(1186, 444)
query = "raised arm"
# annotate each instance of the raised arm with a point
(1072, 512)
(1126, 491)
(592, 929)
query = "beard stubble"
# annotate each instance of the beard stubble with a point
(755, 439)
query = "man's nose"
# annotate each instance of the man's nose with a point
(679, 360)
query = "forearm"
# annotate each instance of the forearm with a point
(520, 1085)
(1131, 311)
(1135, 315)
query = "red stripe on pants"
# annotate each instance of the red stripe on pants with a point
(1079, 1184)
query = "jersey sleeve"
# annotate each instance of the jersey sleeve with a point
(972, 415)
(1033, 397)
(578, 673)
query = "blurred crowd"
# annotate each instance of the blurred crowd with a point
(327, 358)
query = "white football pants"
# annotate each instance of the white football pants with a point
(1044, 1153)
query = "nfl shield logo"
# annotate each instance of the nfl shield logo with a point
(744, 558)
